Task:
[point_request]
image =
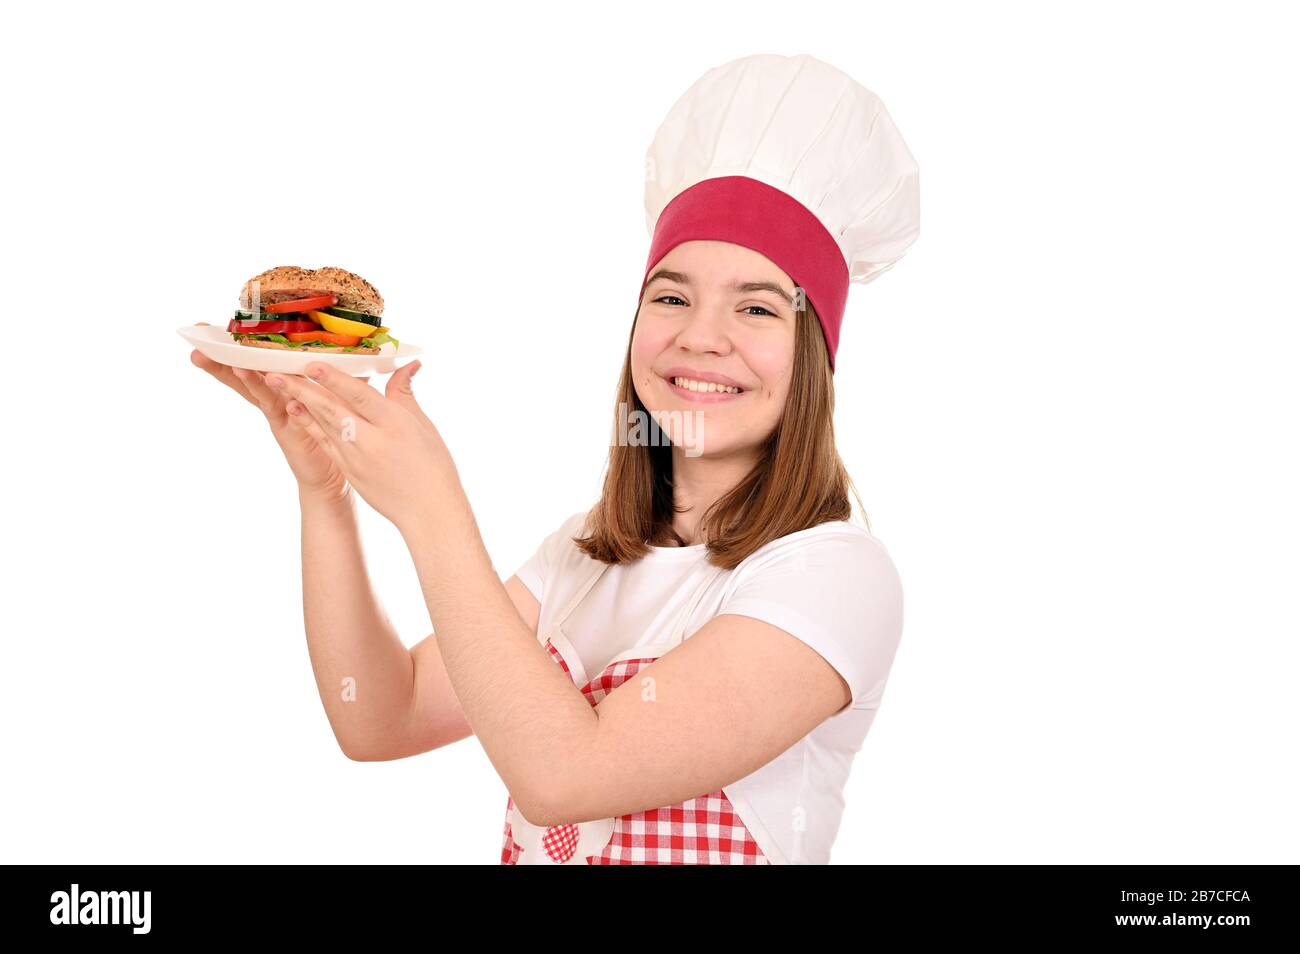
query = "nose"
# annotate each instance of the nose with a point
(704, 329)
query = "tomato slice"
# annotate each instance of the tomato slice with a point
(328, 337)
(255, 327)
(301, 304)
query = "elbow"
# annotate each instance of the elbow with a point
(383, 746)
(373, 755)
(565, 791)
(536, 810)
(354, 754)
(566, 800)
(352, 748)
(364, 753)
(546, 804)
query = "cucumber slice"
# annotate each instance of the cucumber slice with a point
(350, 315)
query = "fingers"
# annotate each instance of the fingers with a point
(268, 399)
(223, 373)
(328, 410)
(399, 389)
(301, 417)
(357, 395)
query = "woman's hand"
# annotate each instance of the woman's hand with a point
(315, 470)
(384, 444)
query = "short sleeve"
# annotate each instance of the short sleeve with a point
(839, 593)
(537, 569)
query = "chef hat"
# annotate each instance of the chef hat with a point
(794, 159)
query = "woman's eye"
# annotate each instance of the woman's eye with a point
(673, 297)
(760, 308)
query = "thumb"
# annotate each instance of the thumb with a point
(398, 387)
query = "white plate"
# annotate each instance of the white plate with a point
(218, 345)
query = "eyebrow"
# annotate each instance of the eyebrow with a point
(683, 279)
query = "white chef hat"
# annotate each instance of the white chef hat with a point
(794, 159)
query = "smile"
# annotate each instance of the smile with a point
(703, 391)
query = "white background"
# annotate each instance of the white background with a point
(1070, 408)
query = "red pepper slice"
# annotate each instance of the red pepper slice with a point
(301, 304)
(255, 327)
(325, 336)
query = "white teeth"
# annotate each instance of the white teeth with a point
(704, 387)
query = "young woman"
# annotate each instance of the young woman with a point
(684, 672)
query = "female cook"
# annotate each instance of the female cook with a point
(683, 673)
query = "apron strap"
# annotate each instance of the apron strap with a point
(690, 606)
(678, 630)
(583, 589)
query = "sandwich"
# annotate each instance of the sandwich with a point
(304, 309)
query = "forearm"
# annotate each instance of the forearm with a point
(363, 671)
(527, 714)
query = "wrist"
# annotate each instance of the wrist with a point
(450, 528)
(326, 499)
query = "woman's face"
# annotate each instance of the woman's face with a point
(714, 311)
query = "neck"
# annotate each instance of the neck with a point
(699, 482)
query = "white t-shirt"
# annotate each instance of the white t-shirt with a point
(832, 586)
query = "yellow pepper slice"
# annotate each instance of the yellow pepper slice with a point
(344, 326)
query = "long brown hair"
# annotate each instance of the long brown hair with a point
(798, 482)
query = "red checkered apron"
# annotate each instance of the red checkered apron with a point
(704, 830)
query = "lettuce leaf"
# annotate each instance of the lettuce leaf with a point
(374, 341)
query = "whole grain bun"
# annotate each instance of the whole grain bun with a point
(275, 344)
(287, 282)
